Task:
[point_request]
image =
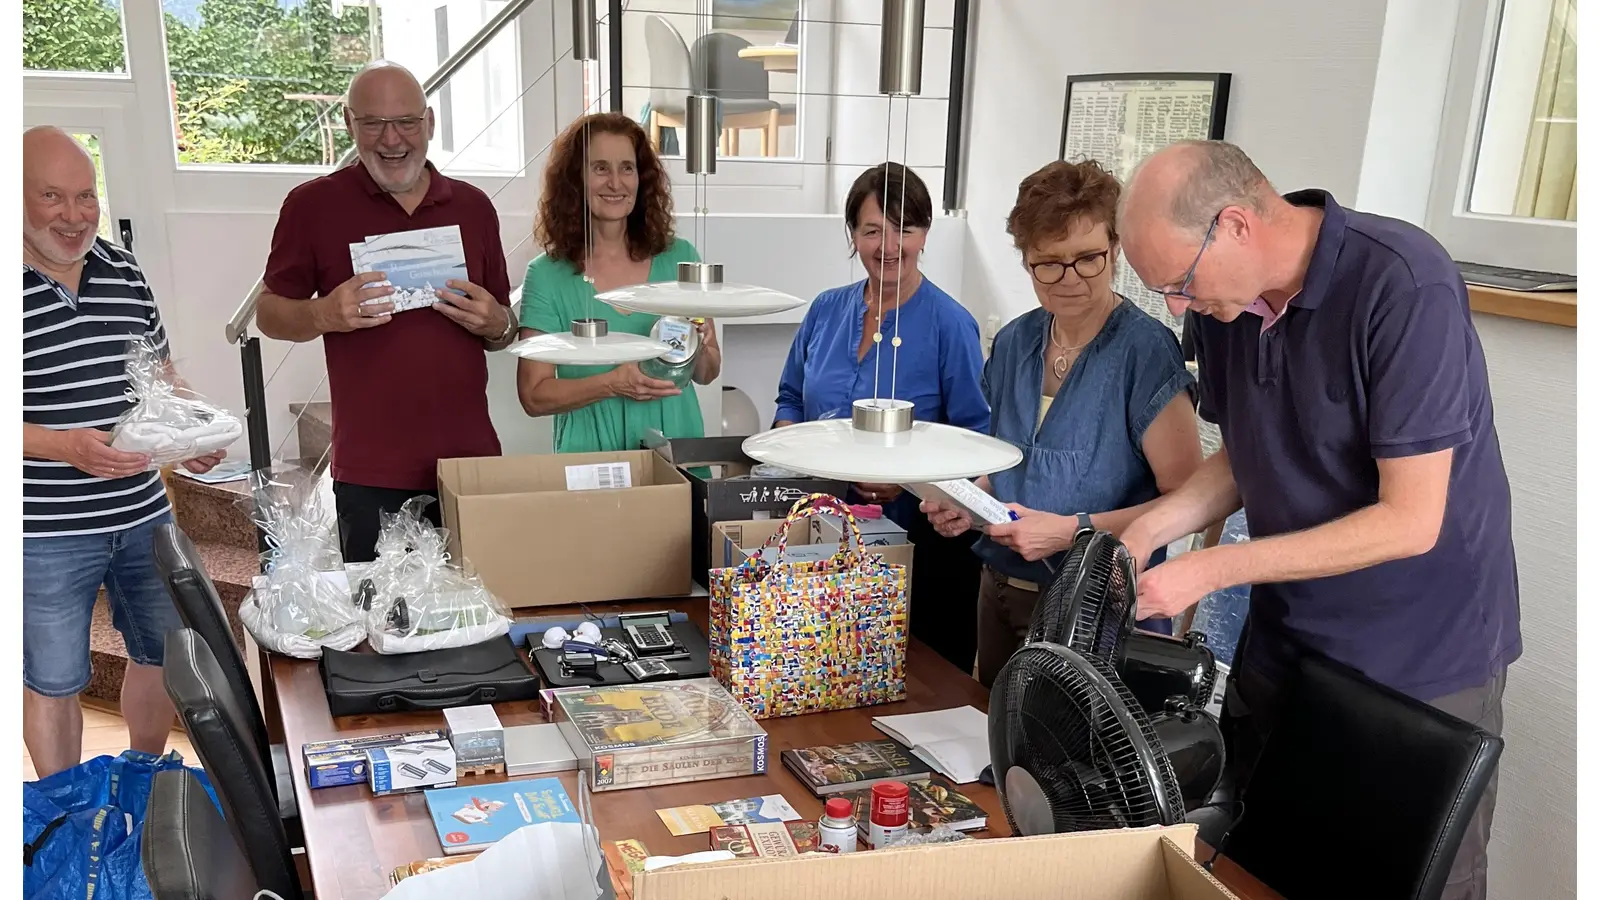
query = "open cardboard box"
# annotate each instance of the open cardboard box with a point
(513, 521)
(1142, 864)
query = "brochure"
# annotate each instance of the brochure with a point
(414, 263)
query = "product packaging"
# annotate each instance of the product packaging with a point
(168, 423)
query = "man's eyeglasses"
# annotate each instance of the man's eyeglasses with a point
(1086, 266)
(1182, 293)
(373, 126)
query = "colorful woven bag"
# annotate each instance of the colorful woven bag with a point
(793, 638)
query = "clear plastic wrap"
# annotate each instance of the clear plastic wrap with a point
(303, 601)
(939, 834)
(168, 424)
(414, 599)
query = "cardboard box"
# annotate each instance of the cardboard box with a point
(411, 767)
(1142, 864)
(737, 541)
(340, 762)
(882, 532)
(514, 521)
(729, 494)
(476, 735)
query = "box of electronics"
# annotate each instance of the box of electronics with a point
(663, 732)
(476, 736)
(1124, 864)
(725, 488)
(400, 768)
(344, 761)
(592, 511)
(738, 541)
(875, 532)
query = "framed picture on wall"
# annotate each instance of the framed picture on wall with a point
(1119, 119)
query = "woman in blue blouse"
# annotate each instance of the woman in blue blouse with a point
(1090, 387)
(834, 361)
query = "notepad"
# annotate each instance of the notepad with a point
(955, 742)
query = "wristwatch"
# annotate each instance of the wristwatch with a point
(1084, 522)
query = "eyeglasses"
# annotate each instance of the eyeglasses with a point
(1182, 293)
(373, 126)
(1086, 266)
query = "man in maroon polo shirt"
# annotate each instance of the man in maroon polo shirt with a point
(408, 389)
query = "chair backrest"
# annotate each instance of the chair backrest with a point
(213, 715)
(200, 608)
(669, 65)
(716, 67)
(1383, 782)
(187, 850)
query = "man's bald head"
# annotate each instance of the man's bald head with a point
(1187, 183)
(384, 83)
(60, 205)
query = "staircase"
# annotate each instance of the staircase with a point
(216, 517)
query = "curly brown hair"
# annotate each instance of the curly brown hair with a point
(560, 227)
(1058, 196)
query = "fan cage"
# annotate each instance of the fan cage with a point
(1067, 714)
(1090, 605)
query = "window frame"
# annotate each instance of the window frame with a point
(1515, 242)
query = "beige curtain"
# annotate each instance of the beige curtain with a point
(1547, 187)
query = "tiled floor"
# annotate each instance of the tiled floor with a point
(105, 734)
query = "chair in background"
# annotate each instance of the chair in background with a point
(200, 608)
(1360, 791)
(741, 85)
(187, 849)
(670, 81)
(213, 715)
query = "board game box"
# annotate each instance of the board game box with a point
(639, 735)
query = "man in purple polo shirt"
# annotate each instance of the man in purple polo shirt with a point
(1338, 356)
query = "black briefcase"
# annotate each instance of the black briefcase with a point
(488, 672)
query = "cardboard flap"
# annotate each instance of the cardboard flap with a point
(1101, 865)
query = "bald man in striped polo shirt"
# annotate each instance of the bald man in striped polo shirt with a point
(89, 512)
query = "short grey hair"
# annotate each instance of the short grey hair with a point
(1220, 175)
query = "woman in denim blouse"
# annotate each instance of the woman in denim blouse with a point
(1090, 387)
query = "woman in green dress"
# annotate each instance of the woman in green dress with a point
(626, 239)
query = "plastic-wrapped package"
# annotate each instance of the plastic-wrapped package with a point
(169, 427)
(939, 834)
(303, 602)
(414, 599)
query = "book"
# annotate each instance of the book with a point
(832, 768)
(666, 732)
(767, 838)
(471, 818)
(624, 859)
(933, 802)
(401, 873)
(682, 820)
(415, 263)
(537, 750)
(955, 742)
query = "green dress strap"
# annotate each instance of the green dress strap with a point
(553, 295)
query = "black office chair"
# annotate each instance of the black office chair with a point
(200, 608)
(1360, 791)
(187, 850)
(215, 720)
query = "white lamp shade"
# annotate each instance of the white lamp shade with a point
(739, 415)
(700, 301)
(836, 448)
(567, 349)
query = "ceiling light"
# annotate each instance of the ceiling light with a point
(589, 343)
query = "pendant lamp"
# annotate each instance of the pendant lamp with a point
(882, 442)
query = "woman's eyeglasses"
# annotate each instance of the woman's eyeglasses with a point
(373, 126)
(1086, 266)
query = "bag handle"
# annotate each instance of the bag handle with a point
(29, 849)
(807, 508)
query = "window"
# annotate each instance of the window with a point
(1504, 188)
(73, 36)
(92, 143)
(263, 82)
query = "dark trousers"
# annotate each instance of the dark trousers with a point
(1249, 711)
(1005, 612)
(944, 592)
(358, 512)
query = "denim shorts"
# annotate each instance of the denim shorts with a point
(61, 577)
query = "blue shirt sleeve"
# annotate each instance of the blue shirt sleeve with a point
(961, 373)
(1417, 393)
(791, 383)
(1159, 375)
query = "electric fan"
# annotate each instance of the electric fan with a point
(1073, 750)
(1090, 608)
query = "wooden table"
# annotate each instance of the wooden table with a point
(774, 57)
(354, 840)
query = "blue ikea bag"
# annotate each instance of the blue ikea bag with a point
(82, 828)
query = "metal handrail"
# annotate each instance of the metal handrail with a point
(238, 326)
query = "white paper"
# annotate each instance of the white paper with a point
(547, 861)
(599, 476)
